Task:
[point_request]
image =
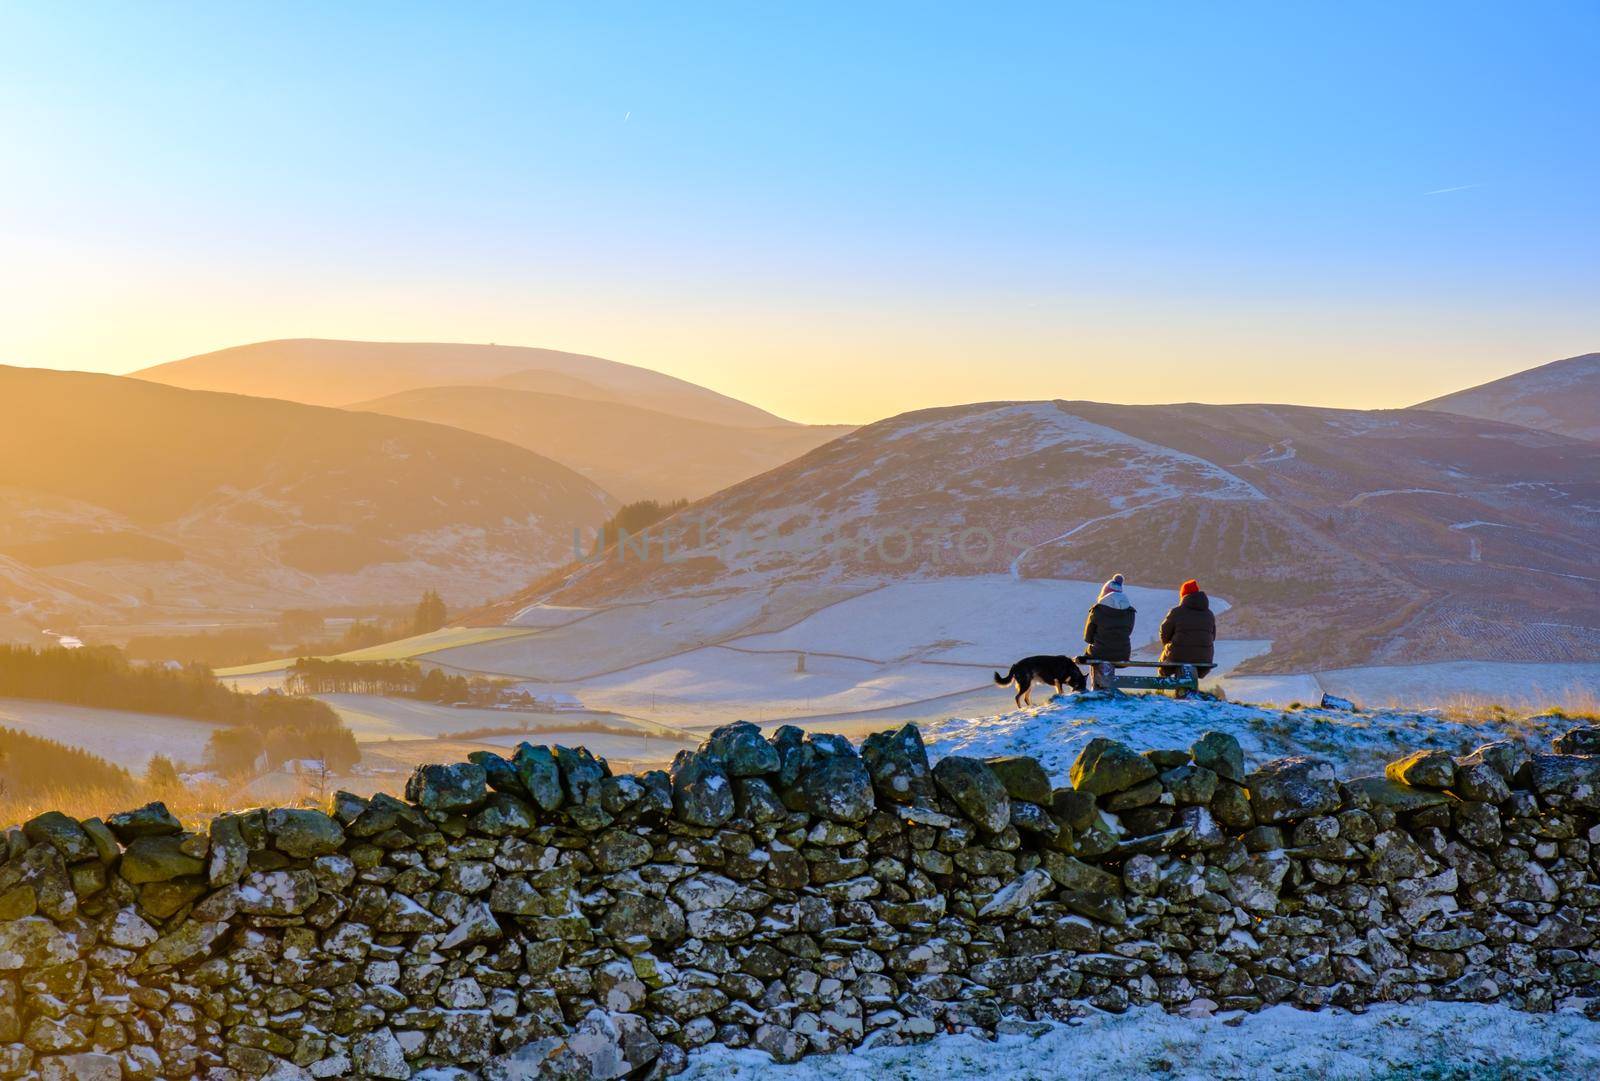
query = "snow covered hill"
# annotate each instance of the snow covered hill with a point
(1562, 396)
(1344, 538)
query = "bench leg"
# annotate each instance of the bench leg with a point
(1103, 677)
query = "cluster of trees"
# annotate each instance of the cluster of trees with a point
(635, 518)
(30, 764)
(403, 679)
(279, 727)
(240, 751)
(215, 649)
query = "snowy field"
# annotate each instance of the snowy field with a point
(1356, 742)
(1454, 1041)
(121, 737)
(987, 620)
(905, 647)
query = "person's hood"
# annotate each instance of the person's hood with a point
(1196, 599)
(1119, 601)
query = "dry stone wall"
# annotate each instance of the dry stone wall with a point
(537, 917)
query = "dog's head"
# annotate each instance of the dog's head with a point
(1075, 677)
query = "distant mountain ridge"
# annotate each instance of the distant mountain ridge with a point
(320, 371)
(118, 493)
(632, 452)
(1346, 537)
(1562, 396)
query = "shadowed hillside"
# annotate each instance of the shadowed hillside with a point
(113, 490)
(631, 452)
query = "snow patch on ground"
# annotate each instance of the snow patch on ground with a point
(1454, 1040)
(1357, 743)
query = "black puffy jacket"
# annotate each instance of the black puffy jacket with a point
(1109, 633)
(1189, 633)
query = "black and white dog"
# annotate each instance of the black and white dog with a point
(1055, 671)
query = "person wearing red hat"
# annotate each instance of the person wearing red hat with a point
(1189, 633)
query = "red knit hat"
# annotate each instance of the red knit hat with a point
(1191, 586)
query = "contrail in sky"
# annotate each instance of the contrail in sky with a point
(1459, 187)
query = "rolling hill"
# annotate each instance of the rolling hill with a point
(319, 371)
(631, 452)
(1562, 396)
(1344, 537)
(118, 494)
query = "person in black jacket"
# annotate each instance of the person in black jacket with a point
(1108, 632)
(1189, 633)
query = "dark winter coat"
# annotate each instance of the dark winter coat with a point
(1109, 633)
(1189, 633)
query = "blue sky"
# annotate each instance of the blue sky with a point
(835, 211)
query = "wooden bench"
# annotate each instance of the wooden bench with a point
(1187, 680)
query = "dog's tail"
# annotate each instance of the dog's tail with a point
(1001, 681)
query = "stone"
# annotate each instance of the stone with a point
(1506, 757)
(107, 848)
(1017, 896)
(1423, 769)
(1220, 753)
(127, 929)
(744, 752)
(457, 786)
(581, 774)
(83, 1066)
(898, 763)
(1023, 777)
(609, 1045)
(277, 893)
(151, 820)
(1254, 886)
(229, 854)
(33, 942)
(191, 940)
(1105, 766)
(303, 834)
(1146, 794)
(1074, 874)
(1295, 787)
(498, 773)
(1190, 784)
(379, 1054)
(619, 850)
(839, 788)
(638, 914)
(702, 793)
(1572, 779)
(1481, 782)
(158, 858)
(62, 833)
(1397, 796)
(755, 799)
(539, 775)
(1581, 740)
(973, 787)
(794, 753)
(504, 815)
